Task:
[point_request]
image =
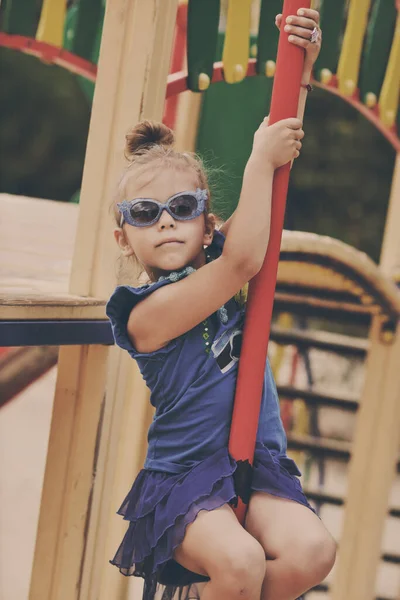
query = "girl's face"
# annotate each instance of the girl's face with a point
(149, 243)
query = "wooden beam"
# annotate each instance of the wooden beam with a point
(390, 255)
(371, 472)
(71, 460)
(89, 433)
(19, 367)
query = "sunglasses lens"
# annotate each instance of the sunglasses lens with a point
(144, 212)
(183, 206)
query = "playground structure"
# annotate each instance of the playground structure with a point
(317, 276)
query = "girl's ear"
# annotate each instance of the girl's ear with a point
(122, 242)
(210, 228)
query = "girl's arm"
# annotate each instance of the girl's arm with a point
(301, 26)
(175, 309)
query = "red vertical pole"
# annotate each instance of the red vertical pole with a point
(284, 104)
(177, 62)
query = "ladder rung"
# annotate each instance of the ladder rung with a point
(332, 342)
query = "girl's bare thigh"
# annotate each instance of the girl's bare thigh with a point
(287, 528)
(216, 541)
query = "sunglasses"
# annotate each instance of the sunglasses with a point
(143, 212)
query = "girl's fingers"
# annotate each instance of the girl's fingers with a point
(302, 22)
(298, 145)
(297, 134)
(299, 41)
(278, 21)
(309, 13)
(299, 31)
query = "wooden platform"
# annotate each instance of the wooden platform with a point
(36, 245)
(316, 273)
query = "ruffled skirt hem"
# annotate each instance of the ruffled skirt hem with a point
(160, 506)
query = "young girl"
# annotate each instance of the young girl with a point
(184, 330)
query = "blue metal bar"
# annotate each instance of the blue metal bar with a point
(55, 333)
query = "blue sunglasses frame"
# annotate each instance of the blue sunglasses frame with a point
(126, 206)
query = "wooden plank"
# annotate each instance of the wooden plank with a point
(51, 24)
(36, 251)
(187, 121)
(119, 101)
(332, 16)
(82, 34)
(17, 306)
(320, 446)
(202, 38)
(322, 340)
(372, 469)
(389, 98)
(20, 17)
(19, 367)
(340, 401)
(35, 261)
(237, 40)
(68, 481)
(349, 62)
(129, 418)
(133, 68)
(268, 36)
(378, 43)
(390, 254)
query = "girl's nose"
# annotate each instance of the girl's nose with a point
(166, 221)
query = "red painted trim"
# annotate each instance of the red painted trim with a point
(51, 54)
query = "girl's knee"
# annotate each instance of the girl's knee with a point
(315, 557)
(241, 571)
(322, 553)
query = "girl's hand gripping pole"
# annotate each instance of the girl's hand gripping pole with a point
(284, 104)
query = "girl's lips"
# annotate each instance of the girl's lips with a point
(169, 242)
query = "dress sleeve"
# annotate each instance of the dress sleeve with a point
(216, 246)
(118, 309)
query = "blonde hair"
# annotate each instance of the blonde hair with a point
(151, 143)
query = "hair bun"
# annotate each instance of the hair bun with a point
(146, 134)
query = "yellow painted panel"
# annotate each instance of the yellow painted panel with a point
(350, 57)
(389, 98)
(51, 24)
(237, 40)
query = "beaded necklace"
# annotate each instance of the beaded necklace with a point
(222, 312)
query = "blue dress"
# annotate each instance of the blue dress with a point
(188, 467)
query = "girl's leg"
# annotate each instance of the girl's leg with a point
(217, 546)
(300, 551)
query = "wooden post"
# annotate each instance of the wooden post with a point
(375, 446)
(88, 431)
(390, 255)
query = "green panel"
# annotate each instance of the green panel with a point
(332, 20)
(89, 20)
(230, 116)
(377, 47)
(83, 26)
(268, 33)
(21, 17)
(202, 38)
(71, 32)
